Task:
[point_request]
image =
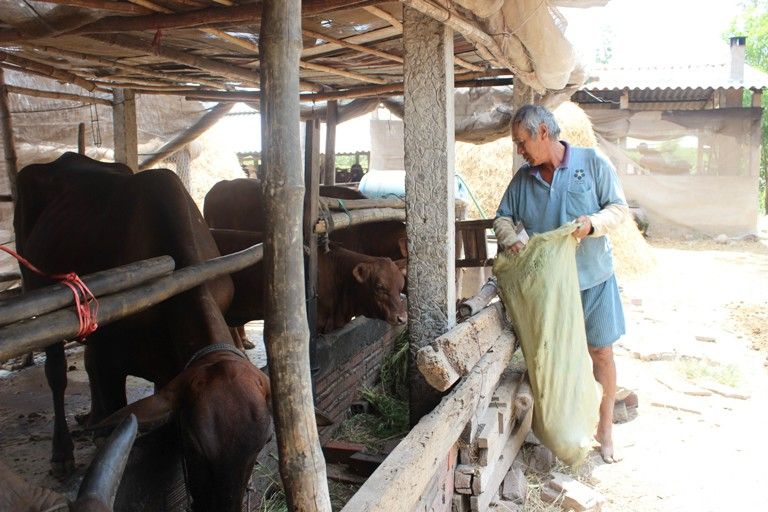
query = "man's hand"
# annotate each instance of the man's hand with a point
(584, 229)
(514, 248)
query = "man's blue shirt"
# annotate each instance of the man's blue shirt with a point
(584, 184)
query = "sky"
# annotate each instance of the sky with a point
(653, 32)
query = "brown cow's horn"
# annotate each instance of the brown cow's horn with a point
(103, 477)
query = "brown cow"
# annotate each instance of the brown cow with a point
(75, 214)
(349, 284)
(97, 490)
(235, 204)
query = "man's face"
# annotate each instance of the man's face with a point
(532, 148)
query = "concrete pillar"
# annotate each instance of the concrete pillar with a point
(124, 127)
(429, 190)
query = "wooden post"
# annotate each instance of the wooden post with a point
(8, 143)
(81, 138)
(311, 201)
(302, 466)
(329, 165)
(194, 131)
(429, 191)
(124, 126)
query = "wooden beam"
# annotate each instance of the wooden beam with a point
(9, 145)
(340, 72)
(360, 204)
(188, 136)
(474, 34)
(353, 46)
(246, 76)
(384, 15)
(373, 35)
(167, 19)
(161, 75)
(286, 333)
(49, 71)
(403, 476)
(329, 165)
(106, 5)
(452, 355)
(125, 128)
(58, 95)
(81, 138)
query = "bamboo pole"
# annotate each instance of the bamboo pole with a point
(367, 37)
(126, 67)
(107, 5)
(286, 333)
(216, 67)
(359, 204)
(384, 15)
(353, 46)
(49, 71)
(57, 296)
(340, 72)
(36, 334)
(353, 218)
(58, 95)
(9, 145)
(188, 136)
(167, 19)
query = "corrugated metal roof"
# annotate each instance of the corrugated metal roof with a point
(703, 76)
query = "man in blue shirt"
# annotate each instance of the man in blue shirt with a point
(559, 184)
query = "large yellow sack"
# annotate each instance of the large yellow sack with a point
(540, 290)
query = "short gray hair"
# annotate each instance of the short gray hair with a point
(531, 117)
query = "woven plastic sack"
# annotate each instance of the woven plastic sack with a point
(540, 290)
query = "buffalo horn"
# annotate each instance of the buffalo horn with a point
(103, 477)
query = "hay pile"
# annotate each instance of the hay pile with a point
(487, 170)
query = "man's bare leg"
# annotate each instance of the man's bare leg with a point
(604, 369)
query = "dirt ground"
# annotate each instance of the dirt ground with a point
(696, 320)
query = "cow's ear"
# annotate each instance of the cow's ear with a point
(402, 266)
(361, 272)
(151, 412)
(403, 244)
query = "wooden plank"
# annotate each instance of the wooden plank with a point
(404, 475)
(125, 129)
(499, 419)
(455, 353)
(491, 482)
(439, 493)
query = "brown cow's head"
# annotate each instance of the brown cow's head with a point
(382, 285)
(221, 406)
(97, 491)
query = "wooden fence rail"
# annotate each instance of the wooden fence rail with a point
(22, 337)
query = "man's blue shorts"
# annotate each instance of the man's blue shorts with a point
(603, 313)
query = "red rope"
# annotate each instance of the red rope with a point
(84, 299)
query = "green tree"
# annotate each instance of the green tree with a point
(753, 23)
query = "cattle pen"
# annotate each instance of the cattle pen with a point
(470, 406)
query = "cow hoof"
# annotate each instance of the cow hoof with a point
(247, 344)
(62, 469)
